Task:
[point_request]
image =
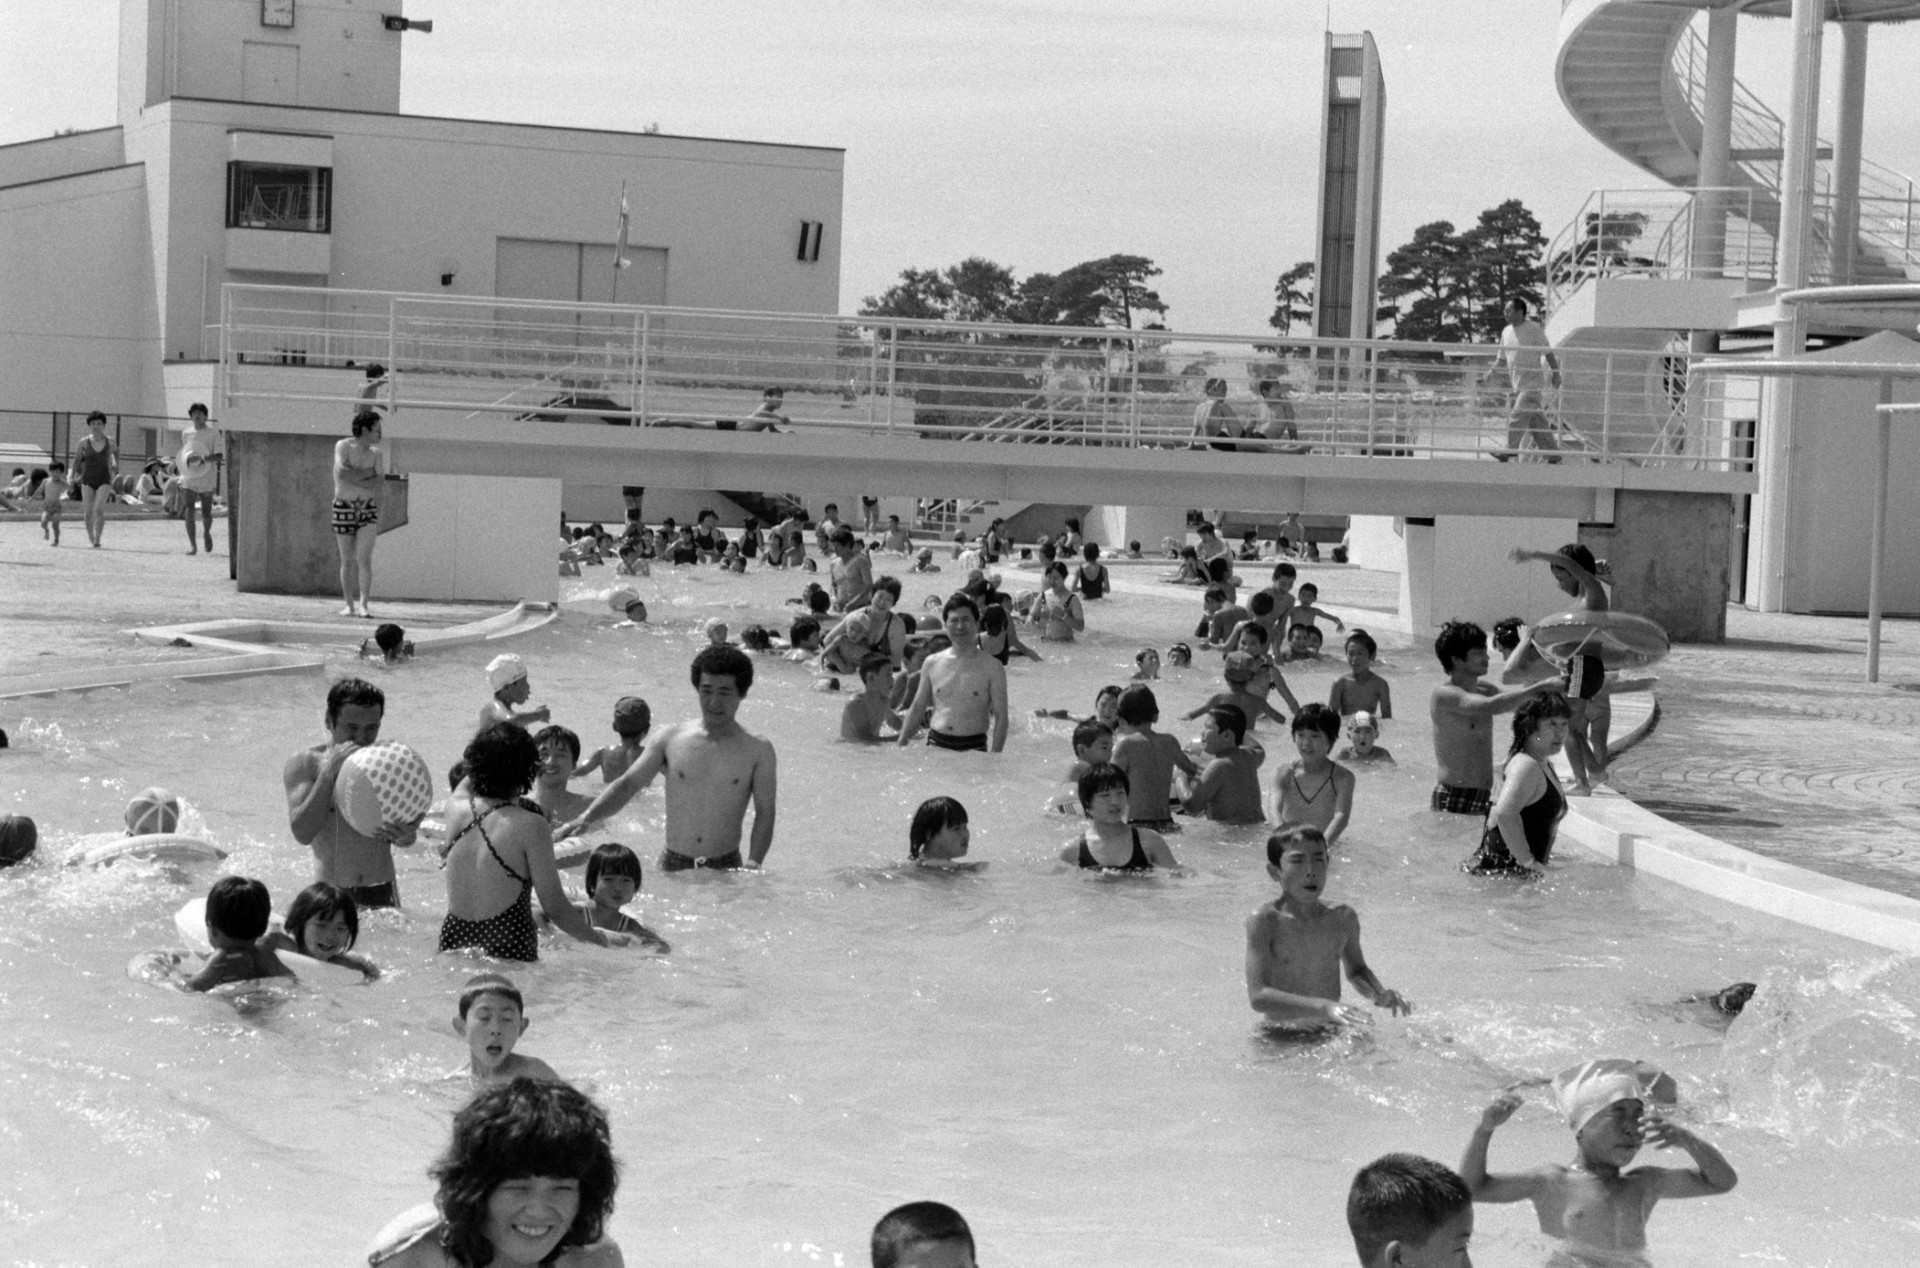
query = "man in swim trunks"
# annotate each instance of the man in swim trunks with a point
(1462, 709)
(965, 689)
(361, 865)
(714, 769)
(851, 573)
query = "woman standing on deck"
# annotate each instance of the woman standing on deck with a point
(356, 509)
(97, 463)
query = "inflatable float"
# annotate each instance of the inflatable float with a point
(190, 922)
(162, 847)
(1620, 639)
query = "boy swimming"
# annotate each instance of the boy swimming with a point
(922, 1235)
(1228, 789)
(507, 676)
(632, 719)
(1405, 1211)
(1360, 689)
(491, 1018)
(1298, 946)
(238, 912)
(1147, 758)
(867, 712)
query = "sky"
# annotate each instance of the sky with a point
(1037, 133)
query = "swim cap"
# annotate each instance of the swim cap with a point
(505, 670)
(153, 811)
(620, 597)
(382, 785)
(18, 837)
(1589, 1088)
(631, 715)
(1361, 718)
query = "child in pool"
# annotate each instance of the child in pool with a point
(613, 879)
(492, 1016)
(390, 642)
(1298, 946)
(1148, 759)
(527, 1179)
(1109, 843)
(923, 562)
(1228, 789)
(1362, 731)
(1106, 708)
(716, 632)
(804, 638)
(1179, 656)
(559, 754)
(636, 613)
(507, 676)
(1595, 1205)
(322, 922)
(1305, 613)
(1360, 689)
(907, 684)
(1146, 665)
(1329, 804)
(632, 719)
(238, 912)
(938, 836)
(1405, 1211)
(1243, 672)
(1303, 643)
(998, 637)
(1576, 573)
(922, 1235)
(867, 712)
(1092, 746)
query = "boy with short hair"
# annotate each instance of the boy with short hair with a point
(803, 638)
(1360, 689)
(492, 1016)
(53, 494)
(1298, 945)
(1305, 613)
(922, 1235)
(559, 753)
(1282, 592)
(1093, 742)
(897, 540)
(1315, 790)
(1405, 1211)
(1595, 1205)
(867, 712)
(1241, 670)
(1260, 615)
(632, 719)
(1228, 789)
(239, 910)
(1148, 758)
(1462, 709)
(1221, 618)
(1362, 732)
(1303, 643)
(507, 676)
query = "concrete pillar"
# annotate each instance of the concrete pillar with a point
(1845, 235)
(1116, 526)
(1710, 206)
(1766, 566)
(1670, 559)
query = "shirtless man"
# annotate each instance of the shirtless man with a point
(1462, 709)
(1298, 945)
(361, 865)
(851, 572)
(965, 689)
(714, 769)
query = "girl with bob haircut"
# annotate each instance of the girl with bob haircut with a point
(939, 831)
(323, 923)
(1526, 815)
(528, 1179)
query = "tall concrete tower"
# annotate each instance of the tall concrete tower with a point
(1352, 134)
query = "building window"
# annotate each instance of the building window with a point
(810, 231)
(268, 196)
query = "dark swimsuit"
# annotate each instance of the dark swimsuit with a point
(957, 743)
(1093, 585)
(511, 935)
(1537, 820)
(92, 462)
(1136, 862)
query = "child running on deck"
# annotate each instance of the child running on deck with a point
(632, 719)
(1405, 1211)
(239, 910)
(938, 835)
(613, 880)
(53, 492)
(922, 1235)
(1594, 1205)
(323, 922)
(1147, 758)
(1111, 841)
(1298, 945)
(492, 1016)
(1360, 689)
(507, 676)
(1228, 789)
(1315, 790)
(867, 712)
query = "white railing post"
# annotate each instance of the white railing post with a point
(1372, 397)
(393, 355)
(873, 380)
(633, 371)
(1133, 396)
(1606, 410)
(893, 372)
(646, 363)
(222, 388)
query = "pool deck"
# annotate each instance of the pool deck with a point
(1772, 742)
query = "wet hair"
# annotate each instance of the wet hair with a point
(1214, 594)
(1580, 555)
(935, 815)
(1457, 641)
(1099, 778)
(1181, 652)
(354, 691)
(957, 601)
(1261, 604)
(517, 1131)
(994, 621)
(819, 602)
(1284, 570)
(388, 637)
(323, 901)
(802, 629)
(1534, 711)
(1306, 586)
(363, 422)
(1506, 633)
(1316, 717)
(1059, 567)
(612, 859)
(502, 762)
(1113, 689)
(239, 907)
(1090, 552)
(916, 1224)
(756, 638)
(1088, 734)
(1253, 629)
(1293, 834)
(1312, 632)
(1219, 568)
(872, 663)
(841, 536)
(560, 733)
(1232, 719)
(1364, 639)
(1402, 1198)
(1140, 657)
(1138, 706)
(456, 773)
(483, 984)
(889, 583)
(726, 662)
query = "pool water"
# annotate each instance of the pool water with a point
(1068, 1059)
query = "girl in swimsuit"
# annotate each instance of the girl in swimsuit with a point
(1090, 578)
(1315, 790)
(1109, 843)
(1530, 805)
(96, 464)
(528, 1178)
(500, 852)
(1057, 611)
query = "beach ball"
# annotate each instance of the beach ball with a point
(621, 596)
(382, 785)
(18, 837)
(154, 811)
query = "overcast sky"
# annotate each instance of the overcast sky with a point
(1038, 133)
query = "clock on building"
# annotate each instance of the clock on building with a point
(276, 12)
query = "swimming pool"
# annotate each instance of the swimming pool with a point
(1068, 1060)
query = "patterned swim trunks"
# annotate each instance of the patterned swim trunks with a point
(1462, 801)
(349, 517)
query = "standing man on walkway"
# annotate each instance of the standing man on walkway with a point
(199, 465)
(1527, 356)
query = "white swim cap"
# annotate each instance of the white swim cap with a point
(505, 670)
(1361, 718)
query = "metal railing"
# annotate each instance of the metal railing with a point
(30, 439)
(978, 383)
(1659, 233)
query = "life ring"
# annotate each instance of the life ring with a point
(1620, 639)
(169, 847)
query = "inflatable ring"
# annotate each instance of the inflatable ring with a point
(168, 847)
(1620, 639)
(190, 922)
